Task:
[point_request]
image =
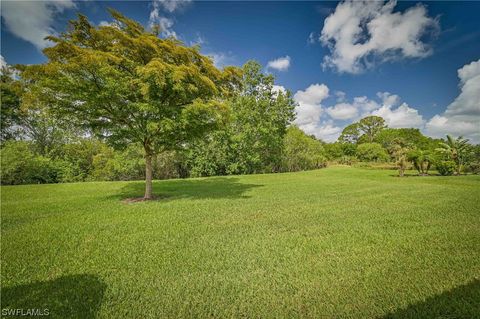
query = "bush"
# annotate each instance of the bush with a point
(347, 160)
(337, 150)
(473, 167)
(372, 152)
(20, 165)
(446, 168)
(301, 152)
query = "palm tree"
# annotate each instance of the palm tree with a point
(399, 152)
(455, 150)
(422, 160)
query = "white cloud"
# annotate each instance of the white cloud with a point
(462, 116)
(279, 88)
(342, 111)
(171, 5)
(309, 108)
(395, 115)
(327, 132)
(468, 102)
(105, 24)
(199, 40)
(3, 63)
(340, 96)
(401, 117)
(165, 23)
(312, 38)
(360, 107)
(314, 94)
(359, 32)
(280, 64)
(389, 99)
(365, 105)
(32, 21)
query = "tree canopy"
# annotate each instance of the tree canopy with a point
(127, 85)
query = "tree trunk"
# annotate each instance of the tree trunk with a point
(148, 176)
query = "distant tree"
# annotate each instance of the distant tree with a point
(251, 141)
(371, 126)
(302, 152)
(455, 150)
(127, 85)
(413, 136)
(259, 121)
(350, 134)
(212, 155)
(371, 152)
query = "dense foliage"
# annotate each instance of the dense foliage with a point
(302, 152)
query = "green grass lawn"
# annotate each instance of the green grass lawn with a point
(333, 243)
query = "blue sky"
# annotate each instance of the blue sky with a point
(414, 63)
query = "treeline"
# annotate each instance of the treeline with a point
(371, 141)
(257, 136)
(117, 102)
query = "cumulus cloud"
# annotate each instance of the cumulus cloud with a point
(309, 108)
(343, 111)
(328, 132)
(402, 116)
(32, 21)
(165, 23)
(280, 64)
(389, 99)
(462, 116)
(361, 32)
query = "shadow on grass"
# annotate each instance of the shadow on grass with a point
(462, 302)
(76, 296)
(208, 188)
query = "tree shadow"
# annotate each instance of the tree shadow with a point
(204, 188)
(462, 302)
(76, 296)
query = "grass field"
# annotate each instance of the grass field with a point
(333, 243)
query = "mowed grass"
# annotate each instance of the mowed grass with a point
(333, 243)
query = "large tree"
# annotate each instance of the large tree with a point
(127, 85)
(252, 142)
(350, 134)
(371, 126)
(260, 116)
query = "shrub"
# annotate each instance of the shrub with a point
(371, 152)
(446, 168)
(20, 165)
(348, 160)
(301, 152)
(473, 167)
